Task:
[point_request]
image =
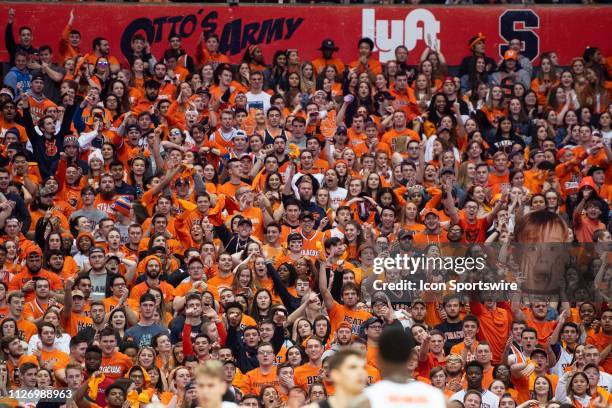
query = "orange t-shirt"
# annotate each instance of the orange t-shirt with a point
(340, 313)
(116, 365)
(305, 375)
(58, 359)
(75, 323)
(255, 380)
(544, 329)
(26, 329)
(601, 341)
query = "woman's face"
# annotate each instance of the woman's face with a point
(107, 151)
(498, 388)
(182, 378)
(118, 321)
(421, 82)
(307, 71)
(373, 181)
(363, 90)
(579, 385)
(263, 300)
(321, 328)
(426, 67)
(52, 318)
(578, 67)
(146, 358)
(294, 80)
(380, 82)
(531, 99)
(294, 357)
(118, 89)
(540, 386)
(304, 329)
(323, 197)
(355, 187)
(538, 203)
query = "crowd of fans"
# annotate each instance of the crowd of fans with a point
(173, 219)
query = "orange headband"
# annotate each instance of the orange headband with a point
(479, 37)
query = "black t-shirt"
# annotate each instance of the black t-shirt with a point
(453, 334)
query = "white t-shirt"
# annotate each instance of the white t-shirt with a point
(489, 400)
(389, 394)
(336, 197)
(258, 101)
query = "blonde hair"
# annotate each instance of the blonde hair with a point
(210, 368)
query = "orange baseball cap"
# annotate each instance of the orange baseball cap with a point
(510, 54)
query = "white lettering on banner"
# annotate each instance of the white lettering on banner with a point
(389, 34)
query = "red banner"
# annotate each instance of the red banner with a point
(566, 30)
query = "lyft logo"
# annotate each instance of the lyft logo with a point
(419, 25)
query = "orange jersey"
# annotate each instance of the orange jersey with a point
(76, 323)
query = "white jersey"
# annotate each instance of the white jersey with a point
(565, 360)
(389, 394)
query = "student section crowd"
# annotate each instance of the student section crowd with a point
(167, 209)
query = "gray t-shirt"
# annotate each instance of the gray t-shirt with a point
(98, 286)
(142, 335)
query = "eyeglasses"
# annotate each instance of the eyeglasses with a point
(265, 353)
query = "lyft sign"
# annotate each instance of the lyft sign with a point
(419, 25)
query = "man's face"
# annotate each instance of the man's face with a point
(28, 379)
(436, 343)
(153, 269)
(34, 262)
(107, 185)
(104, 47)
(350, 297)
(74, 378)
(15, 348)
(483, 354)
(42, 289)
(539, 309)
(251, 338)
(107, 344)
(265, 356)
(97, 311)
(314, 350)
(96, 260)
(116, 397)
(528, 340)
(209, 390)
(147, 309)
(93, 360)
(47, 336)
(8, 111)
(570, 335)
(474, 377)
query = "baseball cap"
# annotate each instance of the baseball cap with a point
(245, 221)
(37, 75)
(345, 325)
(294, 237)
(379, 297)
(328, 44)
(306, 215)
(510, 54)
(71, 141)
(77, 292)
(447, 170)
(403, 234)
(95, 250)
(418, 300)
(33, 249)
(428, 211)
